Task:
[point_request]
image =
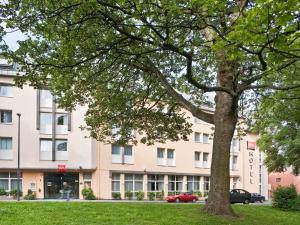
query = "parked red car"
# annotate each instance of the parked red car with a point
(183, 197)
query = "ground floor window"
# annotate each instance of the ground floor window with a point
(193, 183)
(206, 184)
(9, 181)
(234, 183)
(155, 183)
(174, 184)
(115, 185)
(133, 183)
(87, 180)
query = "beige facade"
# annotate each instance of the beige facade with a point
(51, 137)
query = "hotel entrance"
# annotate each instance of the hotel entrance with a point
(57, 185)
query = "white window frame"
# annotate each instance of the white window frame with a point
(160, 161)
(171, 161)
(6, 153)
(205, 164)
(204, 135)
(9, 90)
(197, 137)
(10, 178)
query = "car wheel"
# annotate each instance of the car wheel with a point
(177, 200)
(194, 200)
(246, 201)
(261, 201)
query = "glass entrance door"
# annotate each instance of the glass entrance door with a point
(57, 184)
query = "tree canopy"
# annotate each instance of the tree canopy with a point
(278, 123)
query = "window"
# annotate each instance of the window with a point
(5, 90)
(205, 138)
(174, 183)
(234, 163)
(5, 143)
(161, 157)
(193, 183)
(9, 181)
(5, 116)
(234, 183)
(46, 99)
(197, 156)
(61, 123)
(61, 149)
(234, 145)
(6, 152)
(205, 160)
(206, 184)
(128, 156)
(197, 137)
(61, 145)
(171, 157)
(134, 183)
(115, 182)
(122, 154)
(155, 183)
(46, 123)
(160, 153)
(278, 180)
(87, 180)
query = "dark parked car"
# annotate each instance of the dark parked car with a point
(240, 196)
(255, 197)
(183, 197)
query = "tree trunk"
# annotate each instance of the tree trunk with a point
(225, 120)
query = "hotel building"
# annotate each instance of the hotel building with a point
(50, 138)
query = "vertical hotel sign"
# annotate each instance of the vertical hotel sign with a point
(251, 145)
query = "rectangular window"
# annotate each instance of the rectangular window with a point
(5, 90)
(170, 153)
(234, 162)
(206, 184)
(155, 184)
(205, 138)
(134, 183)
(116, 155)
(193, 183)
(234, 183)
(205, 160)
(5, 143)
(161, 157)
(278, 180)
(9, 181)
(46, 99)
(115, 150)
(160, 153)
(61, 145)
(234, 145)
(174, 184)
(197, 156)
(171, 157)
(5, 116)
(128, 155)
(197, 137)
(115, 182)
(46, 123)
(61, 123)
(61, 149)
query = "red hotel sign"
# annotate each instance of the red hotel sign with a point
(251, 145)
(61, 168)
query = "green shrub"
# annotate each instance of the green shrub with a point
(160, 195)
(128, 195)
(151, 196)
(199, 194)
(88, 194)
(14, 193)
(116, 195)
(171, 193)
(140, 195)
(2, 192)
(205, 194)
(286, 198)
(30, 195)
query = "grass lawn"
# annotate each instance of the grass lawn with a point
(85, 213)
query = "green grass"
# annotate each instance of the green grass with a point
(85, 213)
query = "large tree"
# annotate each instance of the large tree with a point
(137, 64)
